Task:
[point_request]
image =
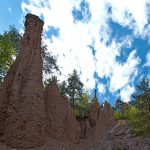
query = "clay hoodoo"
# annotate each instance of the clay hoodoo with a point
(27, 117)
(94, 113)
(22, 109)
(108, 115)
(60, 116)
(104, 121)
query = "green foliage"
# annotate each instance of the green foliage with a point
(141, 97)
(139, 120)
(119, 116)
(15, 37)
(120, 109)
(72, 88)
(120, 106)
(63, 88)
(7, 53)
(80, 100)
(82, 105)
(138, 111)
(49, 61)
(10, 44)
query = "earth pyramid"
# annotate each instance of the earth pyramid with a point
(61, 119)
(22, 109)
(30, 117)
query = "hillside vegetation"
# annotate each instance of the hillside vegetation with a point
(137, 111)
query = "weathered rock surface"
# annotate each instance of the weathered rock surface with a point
(84, 128)
(94, 113)
(108, 116)
(122, 137)
(60, 116)
(22, 108)
(104, 119)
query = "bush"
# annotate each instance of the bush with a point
(82, 106)
(139, 120)
(119, 116)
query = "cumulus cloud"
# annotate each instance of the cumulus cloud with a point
(123, 74)
(84, 23)
(130, 13)
(101, 89)
(126, 93)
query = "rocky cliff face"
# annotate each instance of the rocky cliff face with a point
(60, 116)
(22, 109)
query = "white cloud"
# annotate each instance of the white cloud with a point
(130, 13)
(71, 45)
(147, 64)
(148, 59)
(126, 93)
(101, 88)
(123, 74)
(106, 58)
(120, 74)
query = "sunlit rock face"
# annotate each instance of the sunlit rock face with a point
(61, 121)
(22, 108)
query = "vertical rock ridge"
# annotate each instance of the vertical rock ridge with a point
(22, 110)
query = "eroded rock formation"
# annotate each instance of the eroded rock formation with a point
(22, 109)
(104, 123)
(94, 113)
(27, 116)
(99, 122)
(60, 116)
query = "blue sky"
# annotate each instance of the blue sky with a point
(108, 42)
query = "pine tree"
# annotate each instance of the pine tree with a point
(63, 88)
(74, 88)
(15, 37)
(141, 97)
(120, 105)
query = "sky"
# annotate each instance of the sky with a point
(106, 41)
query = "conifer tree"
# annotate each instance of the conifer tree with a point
(74, 87)
(141, 97)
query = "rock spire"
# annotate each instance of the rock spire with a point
(22, 109)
